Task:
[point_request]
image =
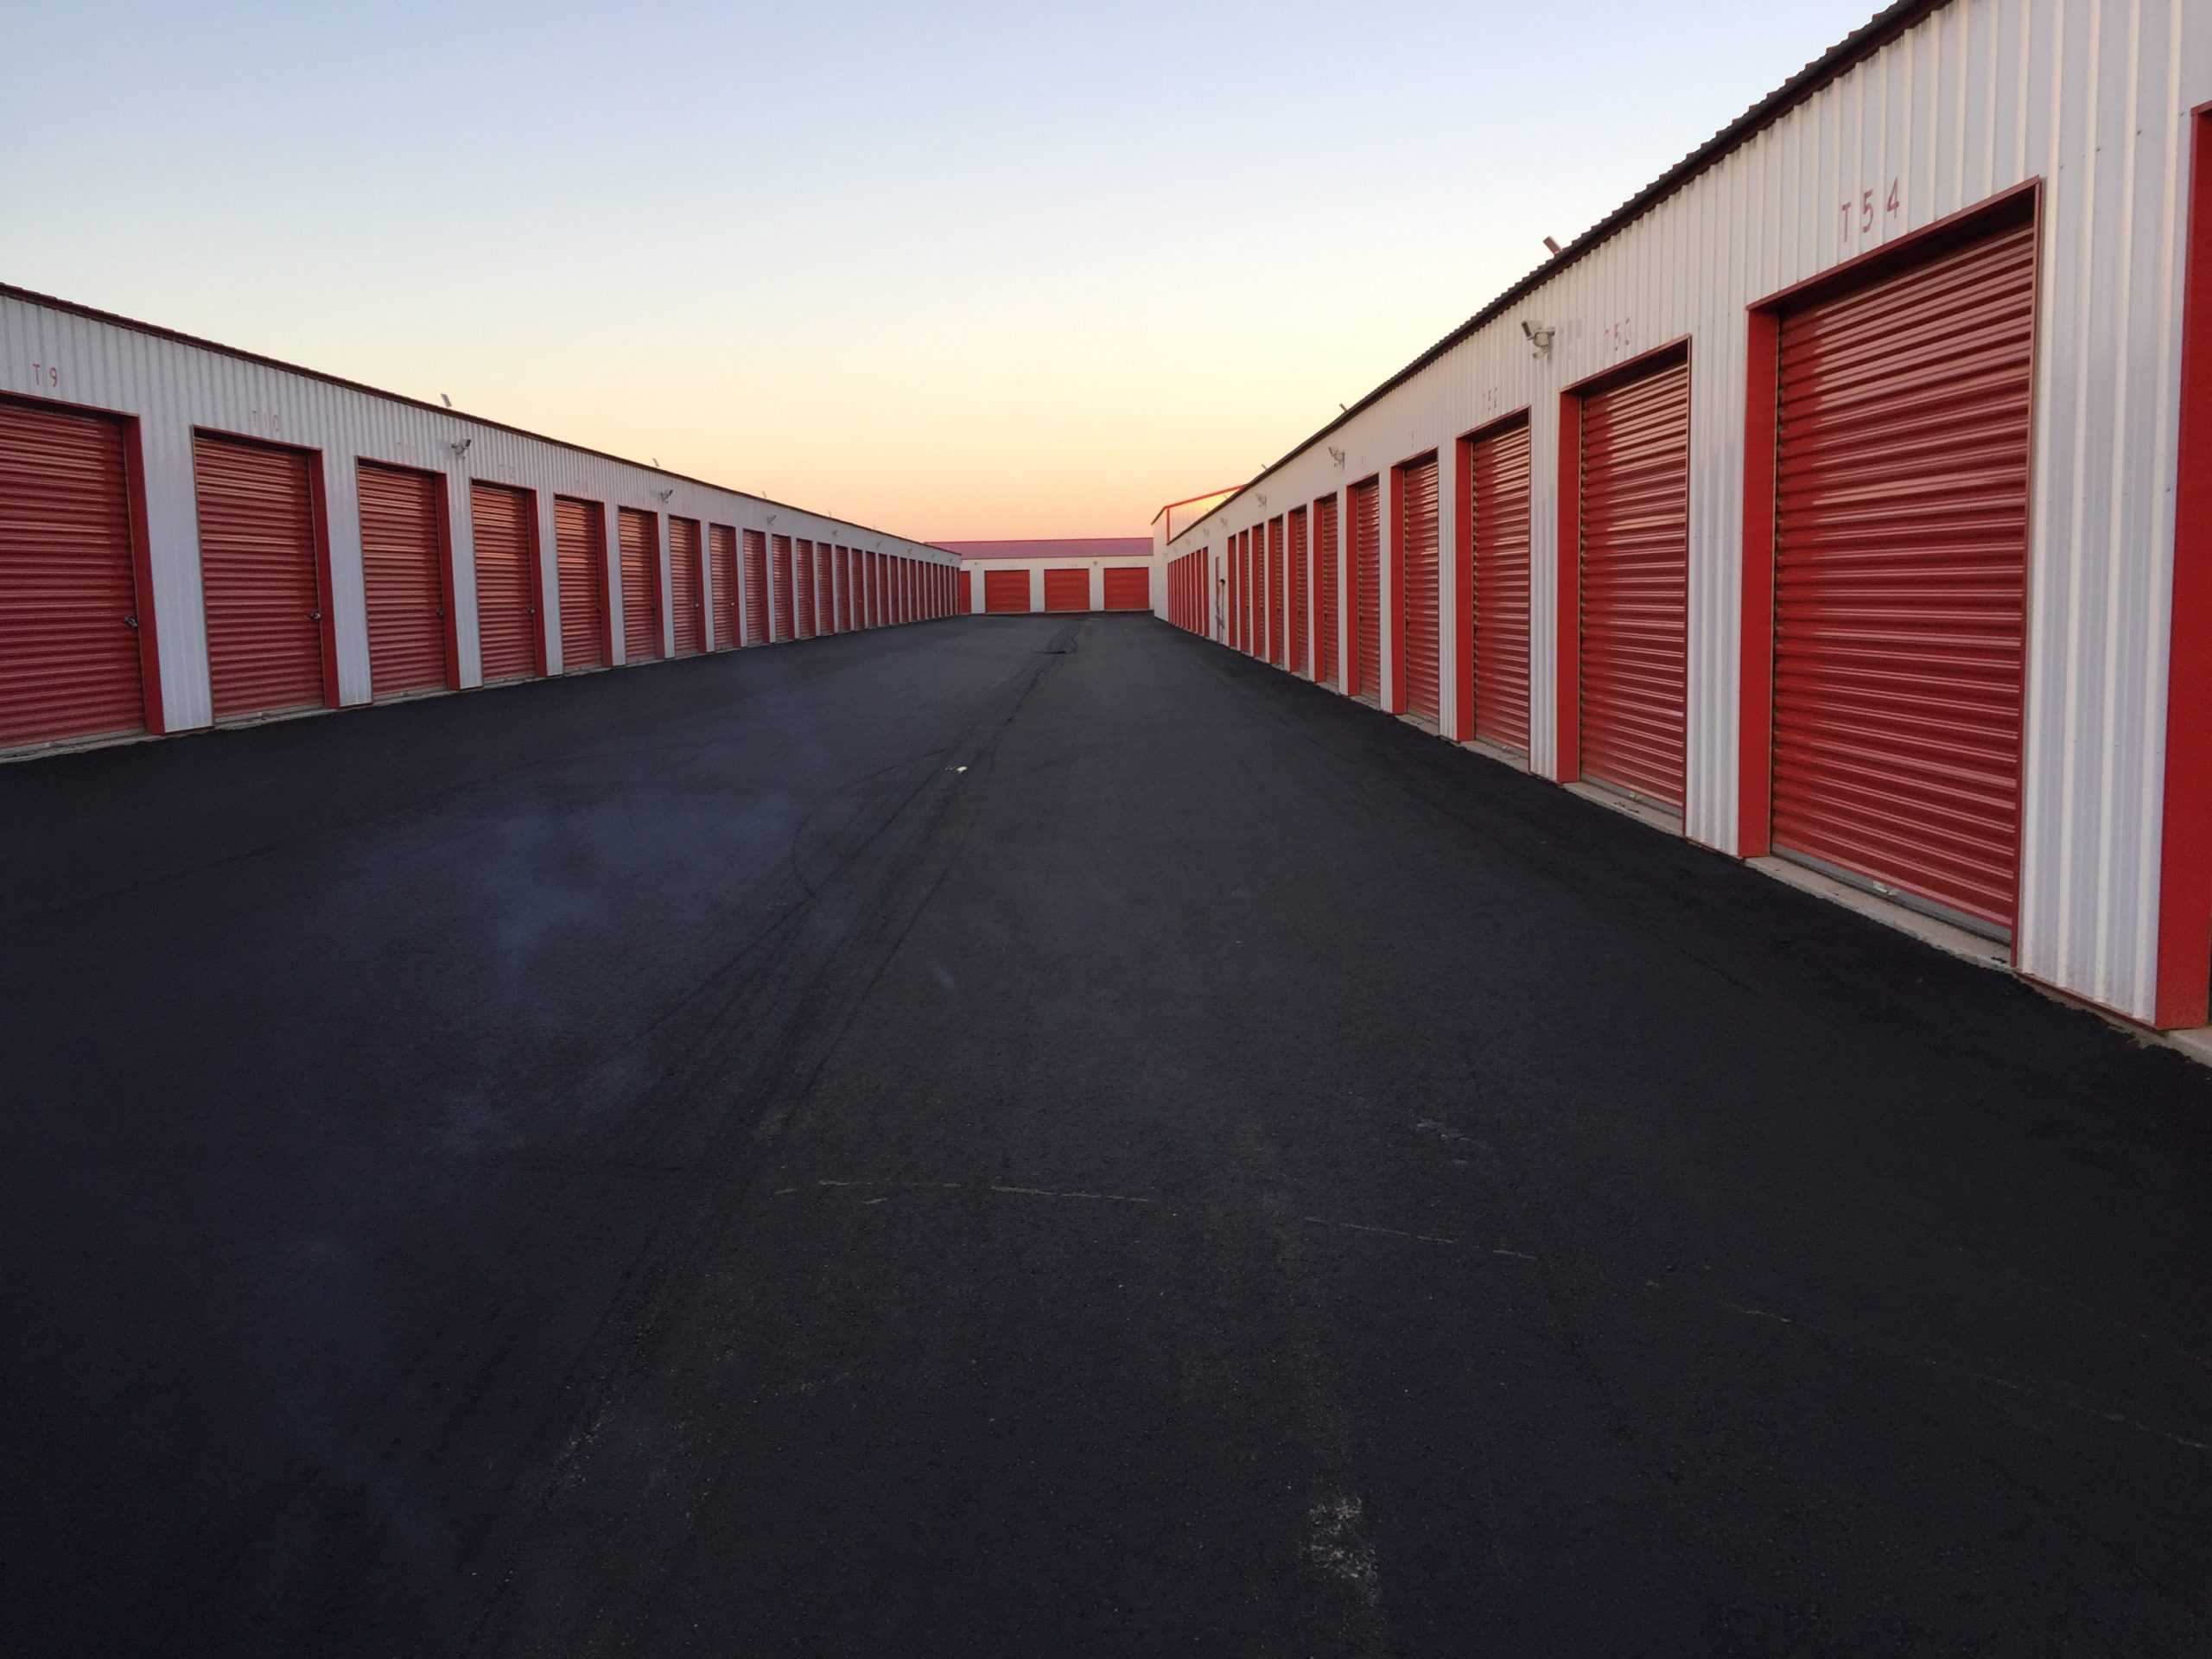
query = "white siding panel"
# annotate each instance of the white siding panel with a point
(2090, 97)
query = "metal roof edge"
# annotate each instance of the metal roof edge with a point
(1862, 42)
(11, 291)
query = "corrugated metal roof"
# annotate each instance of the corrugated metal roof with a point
(1064, 547)
(11, 291)
(1884, 26)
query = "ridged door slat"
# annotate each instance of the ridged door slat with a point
(69, 654)
(1128, 587)
(402, 578)
(843, 567)
(690, 617)
(802, 588)
(640, 558)
(580, 566)
(1006, 592)
(1275, 591)
(1499, 478)
(779, 577)
(1298, 625)
(506, 585)
(1328, 577)
(255, 509)
(1367, 592)
(1901, 518)
(756, 587)
(1635, 570)
(1067, 590)
(721, 566)
(1419, 588)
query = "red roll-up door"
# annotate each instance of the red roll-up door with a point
(779, 582)
(756, 587)
(1366, 512)
(825, 585)
(1252, 548)
(1006, 592)
(1497, 516)
(1635, 497)
(1901, 562)
(843, 567)
(1067, 590)
(1298, 586)
(641, 553)
(71, 662)
(1128, 587)
(967, 592)
(802, 587)
(259, 569)
(722, 562)
(1419, 580)
(579, 559)
(403, 579)
(690, 617)
(1278, 595)
(1328, 580)
(507, 579)
(1234, 561)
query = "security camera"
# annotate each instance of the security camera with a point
(462, 448)
(1539, 336)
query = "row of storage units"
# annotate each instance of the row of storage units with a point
(189, 535)
(1831, 502)
(1021, 591)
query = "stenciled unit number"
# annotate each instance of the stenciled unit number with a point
(1858, 217)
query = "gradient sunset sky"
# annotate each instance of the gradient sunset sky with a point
(958, 272)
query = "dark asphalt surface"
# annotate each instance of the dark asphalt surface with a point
(1041, 1136)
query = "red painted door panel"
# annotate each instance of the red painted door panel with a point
(721, 562)
(579, 559)
(690, 617)
(1635, 570)
(1901, 539)
(70, 653)
(1327, 579)
(1128, 587)
(1006, 592)
(641, 554)
(1275, 592)
(1366, 514)
(257, 568)
(843, 567)
(1300, 585)
(1497, 482)
(506, 580)
(802, 587)
(967, 592)
(779, 583)
(1067, 590)
(1234, 561)
(402, 578)
(756, 587)
(1419, 590)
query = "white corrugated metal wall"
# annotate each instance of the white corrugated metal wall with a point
(174, 387)
(2092, 96)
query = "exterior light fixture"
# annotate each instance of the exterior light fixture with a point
(1539, 336)
(1337, 456)
(462, 448)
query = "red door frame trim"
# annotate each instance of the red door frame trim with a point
(1567, 550)
(2184, 961)
(1754, 713)
(443, 497)
(319, 517)
(1463, 557)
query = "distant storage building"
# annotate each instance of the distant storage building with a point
(191, 535)
(1844, 499)
(1098, 573)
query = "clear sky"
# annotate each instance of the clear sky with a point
(954, 270)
